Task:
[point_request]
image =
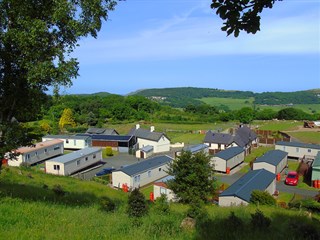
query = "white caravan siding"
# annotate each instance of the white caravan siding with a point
(297, 152)
(264, 165)
(119, 178)
(163, 145)
(158, 190)
(72, 143)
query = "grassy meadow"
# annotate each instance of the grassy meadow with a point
(307, 137)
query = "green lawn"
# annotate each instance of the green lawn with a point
(307, 137)
(257, 152)
(282, 125)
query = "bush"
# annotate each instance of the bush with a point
(106, 204)
(259, 221)
(25, 165)
(234, 222)
(262, 198)
(196, 210)
(109, 151)
(58, 190)
(137, 206)
(162, 205)
(308, 204)
(303, 230)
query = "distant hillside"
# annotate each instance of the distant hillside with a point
(181, 97)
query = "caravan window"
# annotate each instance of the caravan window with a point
(78, 162)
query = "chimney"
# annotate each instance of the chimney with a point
(152, 129)
(137, 126)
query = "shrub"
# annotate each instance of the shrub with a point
(137, 205)
(234, 222)
(25, 165)
(303, 230)
(262, 198)
(106, 204)
(58, 190)
(308, 204)
(162, 205)
(109, 151)
(196, 210)
(259, 221)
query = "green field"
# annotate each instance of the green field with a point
(307, 137)
(282, 125)
(238, 103)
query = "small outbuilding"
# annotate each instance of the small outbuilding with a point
(71, 142)
(142, 173)
(227, 159)
(37, 153)
(160, 187)
(73, 162)
(144, 152)
(274, 161)
(298, 149)
(316, 168)
(239, 193)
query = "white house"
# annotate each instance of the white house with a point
(141, 173)
(297, 149)
(274, 161)
(160, 187)
(71, 142)
(239, 193)
(144, 137)
(37, 153)
(227, 159)
(73, 162)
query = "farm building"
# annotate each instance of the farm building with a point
(227, 159)
(274, 161)
(144, 137)
(71, 142)
(102, 131)
(194, 149)
(141, 173)
(316, 168)
(160, 187)
(73, 162)
(297, 149)
(239, 193)
(37, 153)
(244, 137)
(144, 152)
(117, 142)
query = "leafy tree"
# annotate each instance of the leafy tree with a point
(67, 118)
(245, 115)
(137, 206)
(293, 114)
(266, 114)
(241, 15)
(193, 177)
(36, 40)
(262, 198)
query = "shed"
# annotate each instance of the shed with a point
(316, 168)
(298, 149)
(144, 152)
(141, 173)
(274, 161)
(37, 153)
(160, 187)
(72, 142)
(227, 159)
(239, 193)
(73, 162)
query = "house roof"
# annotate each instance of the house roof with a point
(75, 155)
(244, 135)
(222, 138)
(196, 148)
(67, 137)
(146, 134)
(146, 165)
(298, 144)
(229, 153)
(316, 161)
(273, 157)
(117, 138)
(147, 148)
(253, 180)
(38, 146)
(104, 131)
(163, 181)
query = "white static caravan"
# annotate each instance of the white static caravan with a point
(141, 173)
(239, 193)
(298, 150)
(71, 142)
(274, 161)
(228, 158)
(160, 187)
(37, 153)
(73, 162)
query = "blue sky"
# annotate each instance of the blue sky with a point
(178, 43)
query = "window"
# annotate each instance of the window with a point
(297, 149)
(36, 153)
(28, 156)
(56, 167)
(137, 178)
(309, 150)
(86, 158)
(74, 142)
(56, 148)
(94, 156)
(163, 190)
(78, 162)
(160, 169)
(67, 140)
(284, 148)
(149, 173)
(45, 150)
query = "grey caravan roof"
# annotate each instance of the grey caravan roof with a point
(272, 157)
(146, 165)
(229, 153)
(75, 155)
(253, 180)
(196, 148)
(298, 144)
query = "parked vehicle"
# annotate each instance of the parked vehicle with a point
(292, 179)
(105, 171)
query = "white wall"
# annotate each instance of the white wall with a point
(163, 145)
(297, 152)
(227, 201)
(221, 164)
(264, 165)
(119, 178)
(72, 143)
(157, 191)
